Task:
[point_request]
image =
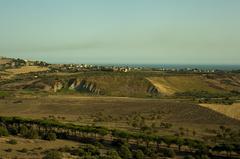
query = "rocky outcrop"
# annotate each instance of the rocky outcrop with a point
(152, 90)
(57, 85)
(82, 85)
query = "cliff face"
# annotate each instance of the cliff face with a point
(82, 85)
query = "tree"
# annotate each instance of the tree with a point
(179, 142)
(224, 147)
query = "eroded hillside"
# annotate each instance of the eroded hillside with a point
(107, 84)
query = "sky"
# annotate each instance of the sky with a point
(121, 31)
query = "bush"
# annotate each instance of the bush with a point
(124, 152)
(188, 157)
(53, 155)
(13, 130)
(8, 150)
(201, 157)
(148, 151)
(32, 134)
(77, 152)
(24, 150)
(12, 141)
(168, 153)
(3, 131)
(50, 136)
(113, 154)
(139, 154)
(4, 94)
(118, 142)
(65, 149)
(23, 130)
(92, 150)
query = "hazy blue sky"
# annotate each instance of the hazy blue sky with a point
(122, 31)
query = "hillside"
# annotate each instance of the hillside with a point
(107, 84)
(232, 111)
(4, 60)
(122, 84)
(215, 84)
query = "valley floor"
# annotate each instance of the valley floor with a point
(119, 112)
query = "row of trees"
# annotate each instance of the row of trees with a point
(49, 128)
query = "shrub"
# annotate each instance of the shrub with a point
(8, 150)
(188, 157)
(91, 150)
(148, 151)
(113, 154)
(64, 149)
(201, 157)
(50, 136)
(3, 131)
(24, 150)
(4, 94)
(118, 142)
(139, 154)
(13, 130)
(89, 157)
(32, 134)
(168, 153)
(12, 141)
(23, 130)
(124, 152)
(77, 152)
(53, 155)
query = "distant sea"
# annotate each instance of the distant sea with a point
(180, 66)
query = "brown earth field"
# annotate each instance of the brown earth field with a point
(117, 111)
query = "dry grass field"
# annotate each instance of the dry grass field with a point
(232, 111)
(26, 69)
(34, 148)
(169, 85)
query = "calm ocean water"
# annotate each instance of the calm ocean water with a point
(181, 66)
